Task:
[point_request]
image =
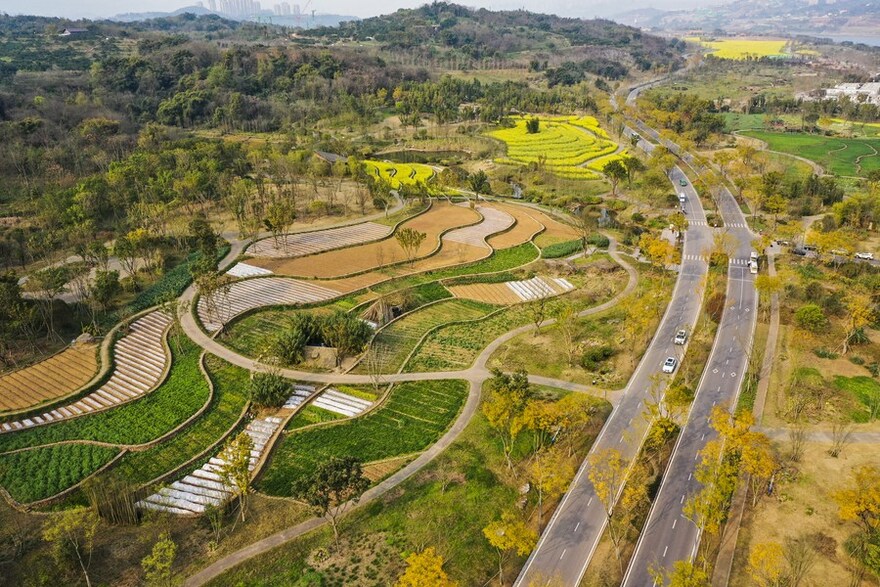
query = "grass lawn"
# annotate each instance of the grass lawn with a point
(446, 505)
(851, 157)
(413, 417)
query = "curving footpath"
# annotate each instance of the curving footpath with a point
(475, 375)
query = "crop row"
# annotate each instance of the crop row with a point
(140, 421)
(44, 471)
(414, 416)
(399, 338)
(230, 397)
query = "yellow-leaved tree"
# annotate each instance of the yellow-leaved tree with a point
(423, 569)
(507, 535)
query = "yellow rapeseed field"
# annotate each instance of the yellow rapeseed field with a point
(743, 48)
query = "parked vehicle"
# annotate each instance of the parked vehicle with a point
(753, 267)
(680, 337)
(670, 364)
(865, 256)
(682, 198)
(682, 182)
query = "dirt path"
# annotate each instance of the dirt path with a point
(858, 160)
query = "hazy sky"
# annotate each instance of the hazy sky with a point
(103, 8)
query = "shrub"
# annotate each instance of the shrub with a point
(269, 390)
(715, 306)
(594, 356)
(564, 249)
(289, 346)
(824, 353)
(856, 360)
(811, 317)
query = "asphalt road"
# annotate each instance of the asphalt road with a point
(668, 536)
(568, 542)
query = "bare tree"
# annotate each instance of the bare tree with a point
(841, 435)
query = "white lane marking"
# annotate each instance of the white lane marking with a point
(589, 502)
(682, 499)
(703, 437)
(674, 522)
(689, 476)
(563, 553)
(664, 551)
(578, 526)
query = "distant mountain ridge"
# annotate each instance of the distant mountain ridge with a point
(306, 21)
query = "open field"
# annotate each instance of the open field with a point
(562, 145)
(399, 338)
(398, 174)
(740, 49)
(527, 224)
(513, 292)
(441, 217)
(850, 157)
(802, 507)
(55, 377)
(413, 417)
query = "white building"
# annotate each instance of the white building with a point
(869, 92)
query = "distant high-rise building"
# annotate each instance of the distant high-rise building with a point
(212, 5)
(285, 9)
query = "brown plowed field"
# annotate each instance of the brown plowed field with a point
(441, 217)
(57, 376)
(491, 293)
(450, 254)
(522, 231)
(556, 232)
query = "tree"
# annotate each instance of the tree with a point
(47, 284)
(509, 534)
(549, 472)
(332, 487)
(280, 214)
(410, 240)
(616, 172)
(811, 317)
(235, 472)
(124, 249)
(505, 403)
(72, 534)
(537, 309)
(479, 183)
(767, 564)
(659, 251)
(105, 287)
(759, 462)
(607, 473)
(859, 501)
(533, 125)
(632, 165)
(268, 390)
(684, 574)
(425, 569)
(157, 565)
(859, 314)
(679, 222)
(567, 324)
(346, 333)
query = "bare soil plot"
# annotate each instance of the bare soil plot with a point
(525, 228)
(556, 231)
(57, 376)
(441, 217)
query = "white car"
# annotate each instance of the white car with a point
(865, 256)
(670, 364)
(680, 337)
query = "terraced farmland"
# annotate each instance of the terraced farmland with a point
(59, 375)
(139, 363)
(310, 243)
(253, 293)
(494, 221)
(562, 145)
(398, 174)
(513, 292)
(399, 338)
(414, 416)
(441, 217)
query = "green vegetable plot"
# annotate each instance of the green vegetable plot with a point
(42, 472)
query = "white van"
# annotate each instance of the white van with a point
(753, 257)
(753, 266)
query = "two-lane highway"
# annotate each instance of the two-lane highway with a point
(574, 531)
